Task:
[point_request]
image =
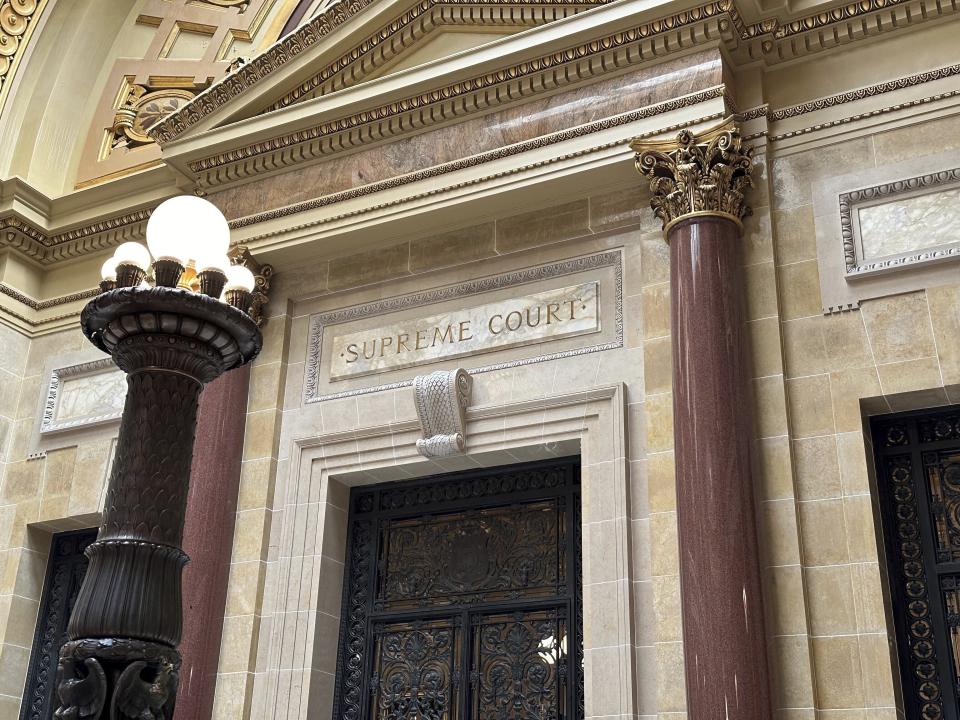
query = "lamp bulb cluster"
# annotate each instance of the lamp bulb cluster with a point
(183, 232)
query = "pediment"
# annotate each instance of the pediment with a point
(352, 43)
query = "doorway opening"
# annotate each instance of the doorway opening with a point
(462, 598)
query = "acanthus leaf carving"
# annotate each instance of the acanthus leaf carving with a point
(705, 174)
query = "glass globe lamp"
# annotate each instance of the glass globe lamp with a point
(185, 228)
(238, 289)
(212, 273)
(131, 261)
(108, 274)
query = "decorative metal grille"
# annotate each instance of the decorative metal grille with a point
(918, 462)
(462, 598)
(65, 570)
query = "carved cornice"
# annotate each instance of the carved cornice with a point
(770, 39)
(705, 174)
(44, 248)
(865, 92)
(34, 304)
(17, 20)
(401, 33)
(485, 91)
(864, 115)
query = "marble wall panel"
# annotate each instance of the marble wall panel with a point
(634, 89)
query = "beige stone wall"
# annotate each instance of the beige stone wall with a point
(62, 491)
(828, 611)
(255, 626)
(816, 378)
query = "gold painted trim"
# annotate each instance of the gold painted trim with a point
(10, 61)
(701, 213)
(133, 170)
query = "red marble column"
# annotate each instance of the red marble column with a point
(208, 537)
(723, 626)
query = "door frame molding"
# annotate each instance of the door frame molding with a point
(300, 624)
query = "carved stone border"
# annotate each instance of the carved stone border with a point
(849, 230)
(57, 377)
(319, 322)
(34, 304)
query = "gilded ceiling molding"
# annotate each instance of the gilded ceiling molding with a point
(488, 156)
(770, 35)
(17, 21)
(400, 34)
(694, 175)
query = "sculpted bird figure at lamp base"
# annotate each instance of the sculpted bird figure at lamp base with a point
(121, 660)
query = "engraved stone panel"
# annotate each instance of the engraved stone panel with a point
(84, 394)
(887, 230)
(552, 314)
(561, 309)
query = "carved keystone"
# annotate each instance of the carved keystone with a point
(442, 398)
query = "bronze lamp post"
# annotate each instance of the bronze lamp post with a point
(170, 336)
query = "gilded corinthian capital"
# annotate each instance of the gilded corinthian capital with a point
(705, 174)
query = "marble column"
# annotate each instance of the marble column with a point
(208, 537)
(698, 185)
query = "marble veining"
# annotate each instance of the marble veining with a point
(638, 88)
(908, 224)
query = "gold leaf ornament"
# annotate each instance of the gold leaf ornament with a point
(704, 174)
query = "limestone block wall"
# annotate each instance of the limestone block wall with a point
(62, 491)
(257, 682)
(829, 613)
(816, 377)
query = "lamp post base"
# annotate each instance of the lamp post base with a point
(138, 678)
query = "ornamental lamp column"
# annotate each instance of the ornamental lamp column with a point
(698, 184)
(166, 326)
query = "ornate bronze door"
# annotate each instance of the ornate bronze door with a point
(918, 468)
(462, 598)
(66, 567)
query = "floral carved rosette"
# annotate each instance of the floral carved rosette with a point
(15, 19)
